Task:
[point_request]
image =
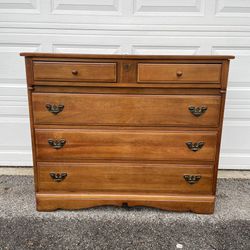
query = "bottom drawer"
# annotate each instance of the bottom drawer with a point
(125, 177)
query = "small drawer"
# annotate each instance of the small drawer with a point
(178, 73)
(126, 110)
(74, 71)
(117, 144)
(125, 177)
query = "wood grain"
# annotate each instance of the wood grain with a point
(203, 204)
(126, 110)
(122, 56)
(124, 145)
(126, 128)
(125, 177)
(189, 73)
(70, 71)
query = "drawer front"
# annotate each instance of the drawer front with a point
(180, 73)
(79, 144)
(125, 177)
(85, 72)
(129, 110)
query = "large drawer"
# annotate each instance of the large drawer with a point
(181, 73)
(75, 71)
(79, 144)
(125, 177)
(126, 110)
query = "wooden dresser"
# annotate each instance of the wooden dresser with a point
(126, 130)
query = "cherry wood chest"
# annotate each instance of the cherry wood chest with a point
(126, 129)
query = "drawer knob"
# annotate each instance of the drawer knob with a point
(195, 146)
(74, 72)
(192, 179)
(197, 111)
(54, 109)
(56, 144)
(179, 73)
(58, 177)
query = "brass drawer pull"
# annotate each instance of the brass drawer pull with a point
(197, 111)
(58, 177)
(195, 146)
(192, 179)
(57, 144)
(54, 109)
(74, 72)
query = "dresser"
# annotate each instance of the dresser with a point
(126, 130)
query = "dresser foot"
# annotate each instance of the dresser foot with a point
(196, 204)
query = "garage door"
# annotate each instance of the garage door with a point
(188, 27)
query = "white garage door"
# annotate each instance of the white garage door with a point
(187, 27)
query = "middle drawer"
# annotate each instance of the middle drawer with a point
(126, 110)
(117, 144)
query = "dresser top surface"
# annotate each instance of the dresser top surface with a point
(123, 56)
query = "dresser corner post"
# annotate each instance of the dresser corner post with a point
(223, 92)
(30, 89)
(224, 74)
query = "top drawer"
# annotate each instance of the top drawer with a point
(181, 73)
(75, 71)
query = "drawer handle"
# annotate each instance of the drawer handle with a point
(58, 177)
(179, 73)
(56, 144)
(74, 72)
(192, 179)
(195, 146)
(197, 111)
(54, 109)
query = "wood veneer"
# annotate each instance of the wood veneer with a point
(126, 110)
(126, 130)
(125, 178)
(86, 72)
(178, 72)
(122, 144)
